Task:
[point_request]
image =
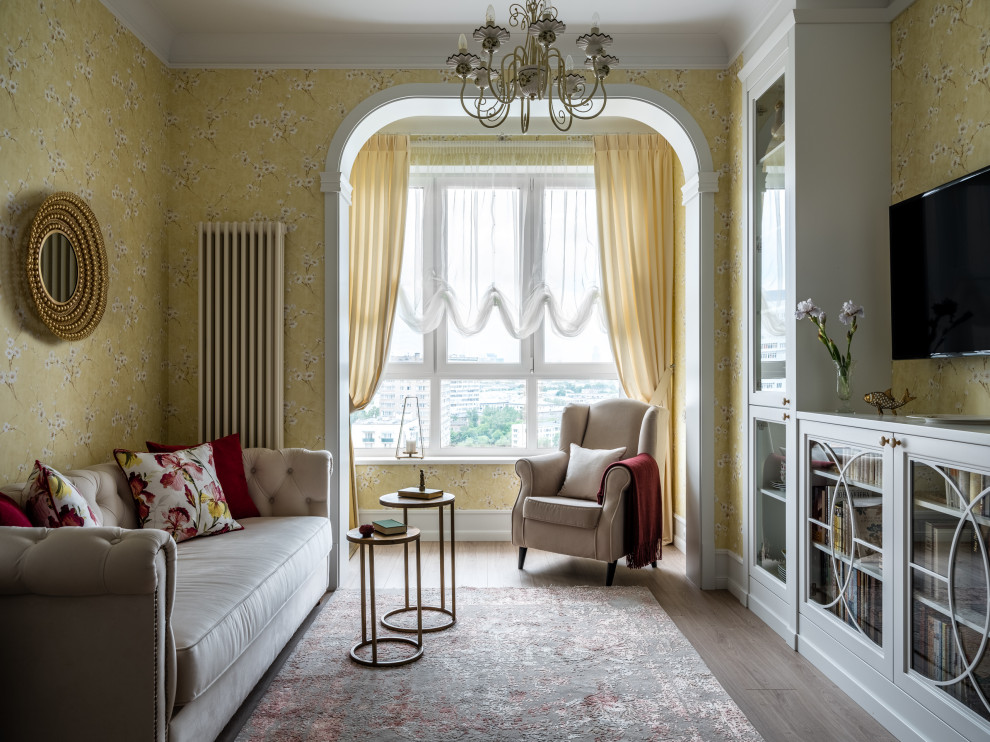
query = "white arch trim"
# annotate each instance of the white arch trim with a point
(672, 121)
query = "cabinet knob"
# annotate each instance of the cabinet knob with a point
(894, 443)
(786, 416)
(884, 440)
(786, 401)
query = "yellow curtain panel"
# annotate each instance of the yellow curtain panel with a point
(380, 179)
(634, 179)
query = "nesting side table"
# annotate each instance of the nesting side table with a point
(367, 544)
(395, 500)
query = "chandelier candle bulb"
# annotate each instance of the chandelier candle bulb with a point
(569, 63)
(490, 16)
(462, 43)
(595, 22)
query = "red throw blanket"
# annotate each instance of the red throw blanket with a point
(644, 517)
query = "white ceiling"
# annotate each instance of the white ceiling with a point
(402, 33)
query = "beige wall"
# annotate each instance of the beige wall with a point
(940, 90)
(82, 109)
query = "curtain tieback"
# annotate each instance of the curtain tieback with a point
(660, 393)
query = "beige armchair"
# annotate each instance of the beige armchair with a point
(542, 519)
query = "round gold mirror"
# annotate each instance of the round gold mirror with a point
(59, 267)
(67, 266)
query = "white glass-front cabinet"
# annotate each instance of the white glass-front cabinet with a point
(846, 516)
(946, 625)
(770, 493)
(773, 508)
(894, 589)
(769, 249)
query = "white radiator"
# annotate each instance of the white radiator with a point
(241, 306)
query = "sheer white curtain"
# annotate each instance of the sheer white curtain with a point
(501, 227)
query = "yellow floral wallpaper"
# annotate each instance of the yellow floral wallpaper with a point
(87, 108)
(940, 130)
(477, 487)
(82, 109)
(156, 151)
(250, 144)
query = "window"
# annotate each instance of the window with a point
(499, 323)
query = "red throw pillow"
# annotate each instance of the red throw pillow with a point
(230, 471)
(11, 514)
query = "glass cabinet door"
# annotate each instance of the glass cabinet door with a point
(770, 507)
(950, 581)
(770, 308)
(845, 535)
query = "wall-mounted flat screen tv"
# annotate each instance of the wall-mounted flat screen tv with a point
(940, 270)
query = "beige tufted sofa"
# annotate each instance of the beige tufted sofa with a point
(116, 633)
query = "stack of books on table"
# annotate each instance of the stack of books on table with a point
(389, 527)
(420, 494)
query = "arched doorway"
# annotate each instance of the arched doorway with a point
(650, 107)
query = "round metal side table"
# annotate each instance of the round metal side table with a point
(368, 544)
(395, 500)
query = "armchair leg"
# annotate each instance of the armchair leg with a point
(610, 575)
(522, 556)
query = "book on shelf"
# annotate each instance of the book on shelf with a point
(840, 533)
(872, 560)
(389, 526)
(420, 494)
(938, 542)
(861, 606)
(869, 524)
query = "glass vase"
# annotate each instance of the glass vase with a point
(843, 385)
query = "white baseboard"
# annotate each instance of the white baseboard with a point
(680, 533)
(470, 525)
(730, 574)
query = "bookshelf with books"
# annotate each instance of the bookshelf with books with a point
(845, 544)
(950, 580)
(894, 578)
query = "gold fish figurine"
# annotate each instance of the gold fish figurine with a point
(884, 401)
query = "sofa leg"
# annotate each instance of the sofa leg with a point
(610, 575)
(653, 564)
(522, 556)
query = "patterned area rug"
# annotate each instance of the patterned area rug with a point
(520, 664)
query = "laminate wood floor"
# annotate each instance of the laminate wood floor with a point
(781, 693)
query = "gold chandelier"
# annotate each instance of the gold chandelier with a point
(535, 70)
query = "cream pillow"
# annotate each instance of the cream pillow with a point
(585, 469)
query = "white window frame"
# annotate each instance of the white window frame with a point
(532, 368)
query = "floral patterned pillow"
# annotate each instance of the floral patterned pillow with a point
(178, 492)
(52, 501)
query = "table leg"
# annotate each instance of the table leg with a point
(453, 574)
(443, 590)
(371, 588)
(405, 555)
(364, 610)
(419, 598)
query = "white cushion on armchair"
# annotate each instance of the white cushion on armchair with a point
(585, 468)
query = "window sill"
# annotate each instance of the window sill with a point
(443, 460)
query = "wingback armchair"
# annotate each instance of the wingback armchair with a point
(543, 519)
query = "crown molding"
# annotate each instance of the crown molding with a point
(413, 51)
(143, 20)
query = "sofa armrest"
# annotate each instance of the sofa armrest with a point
(289, 481)
(90, 609)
